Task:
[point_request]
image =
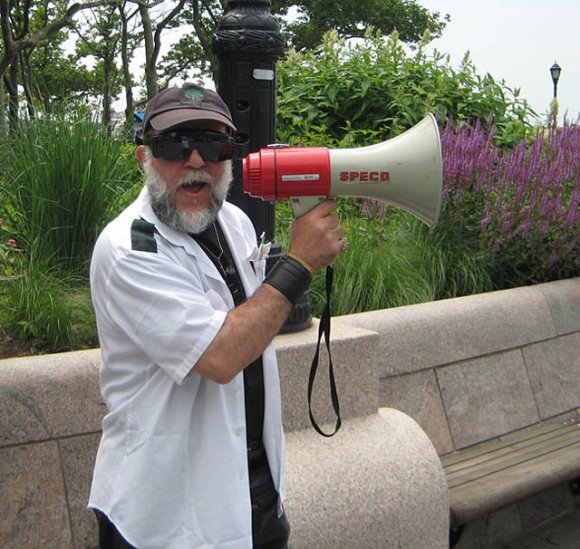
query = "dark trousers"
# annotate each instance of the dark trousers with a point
(109, 536)
(268, 530)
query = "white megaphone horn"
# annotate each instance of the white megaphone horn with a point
(405, 171)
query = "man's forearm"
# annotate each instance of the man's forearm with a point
(246, 332)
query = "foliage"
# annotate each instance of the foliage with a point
(52, 313)
(527, 199)
(344, 93)
(51, 74)
(394, 260)
(101, 41)
(510, 218)
(25, 26)
(510, 215)
(9, 253)
(61, 179)
(350, 94)
(193, 56)
(59, 78)
(350, 18)
(64, 177)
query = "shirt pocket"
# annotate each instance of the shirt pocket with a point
(217, 301)
(259, 269)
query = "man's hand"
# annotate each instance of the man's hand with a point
(316, 237)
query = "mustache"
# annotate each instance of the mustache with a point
(195, 177)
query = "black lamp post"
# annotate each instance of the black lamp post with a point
(555, 71)
(248, 42)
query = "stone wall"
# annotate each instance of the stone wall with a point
(460, 370)
(473, 368)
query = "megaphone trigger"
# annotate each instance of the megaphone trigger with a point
(303, 204)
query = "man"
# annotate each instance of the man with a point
(192, 452)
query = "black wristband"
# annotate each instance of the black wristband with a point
(290, 278)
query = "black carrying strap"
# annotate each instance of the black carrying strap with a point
(324, 329)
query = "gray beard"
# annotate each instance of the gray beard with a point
(163, 202)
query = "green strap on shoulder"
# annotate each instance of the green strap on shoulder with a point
(143, 236)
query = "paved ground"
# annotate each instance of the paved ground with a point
(564, 533)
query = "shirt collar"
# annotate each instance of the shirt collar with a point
(229, 225)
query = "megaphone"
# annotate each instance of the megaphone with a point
(405, 171)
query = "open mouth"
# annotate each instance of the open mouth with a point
(193, 186)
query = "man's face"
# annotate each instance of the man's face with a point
(187, 194)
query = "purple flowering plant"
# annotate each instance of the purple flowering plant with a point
(527, 197)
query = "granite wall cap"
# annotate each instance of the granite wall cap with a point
(49, 396)
(563, 297)
(427, 335)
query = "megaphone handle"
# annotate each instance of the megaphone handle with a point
(303, 204)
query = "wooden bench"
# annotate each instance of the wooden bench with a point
(496, 473)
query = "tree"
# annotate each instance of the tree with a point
(101, 41)
(29, 24)
(129, 38)
(152, 38)
(51, 75)
(193, 55)
(351, 18)
(24, 26)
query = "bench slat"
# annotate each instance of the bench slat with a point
(496, 447)
(509, 456)
(486, 494)
(496, 473)
(521, 435)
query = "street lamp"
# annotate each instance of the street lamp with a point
(555, 71)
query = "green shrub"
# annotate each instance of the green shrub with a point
(344, 93)
(48, 312)
(63, 177)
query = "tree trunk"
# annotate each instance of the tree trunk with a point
(107, 85)
(3, 118)
(127, 80)
(151, 82)
(26, 76)
(12, 84)
(153, 44)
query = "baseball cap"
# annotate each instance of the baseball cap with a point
(178, 105)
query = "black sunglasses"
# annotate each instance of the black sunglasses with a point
(176, 146)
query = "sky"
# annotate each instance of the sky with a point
(518, 41)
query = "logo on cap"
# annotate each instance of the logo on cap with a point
(194, 94)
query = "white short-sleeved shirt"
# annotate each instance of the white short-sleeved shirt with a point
(171, 469)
